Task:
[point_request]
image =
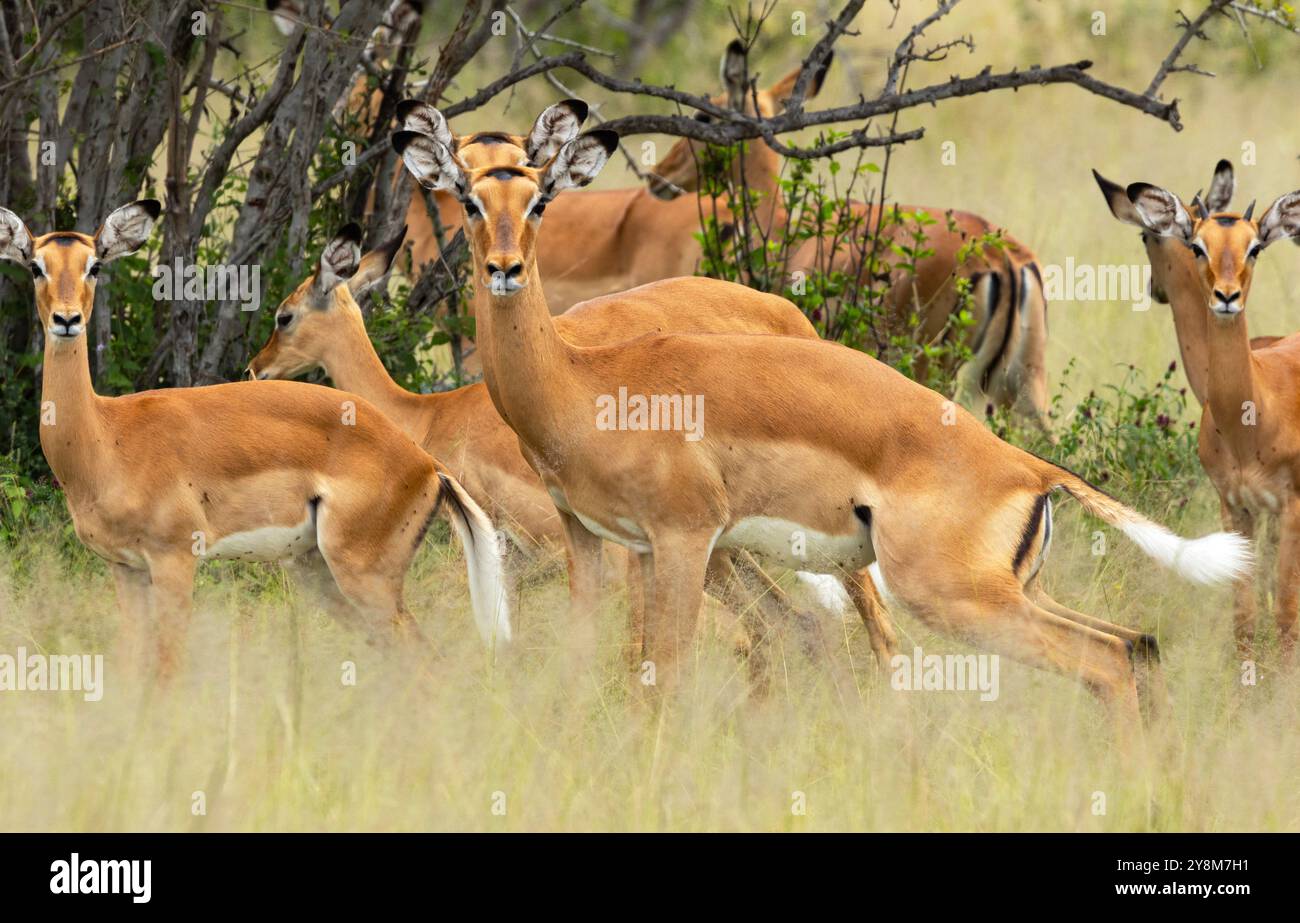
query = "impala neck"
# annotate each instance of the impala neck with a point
(353, 365)
(759, 170)
(1191, 319)
(72, 435)
(1233, 384)
(525, 363)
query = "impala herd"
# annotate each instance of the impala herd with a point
(811, 455)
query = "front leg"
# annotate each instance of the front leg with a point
(133, 611)
(1240, 520)
(586, 560)
(1288, 577)
(681, 560)
(171, 600)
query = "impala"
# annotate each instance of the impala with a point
(251, 470)
(1174, 277)
(320, 328)
(810, 451)
(1249, 439)
(597, 242)
(1009, 336)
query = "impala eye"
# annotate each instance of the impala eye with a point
(471, 210)
(283, 320)
(94, 269)
(1254, 250)
(1198, 251)
(538, 209)
(35, 267)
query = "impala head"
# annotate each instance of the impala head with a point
(504, 203)
(1223, 245)
(65, 265)
(678, 171)
(309, 321)
(1169, 258)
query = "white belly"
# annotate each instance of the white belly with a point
(269, 543)
(628, 534)
(796, 546)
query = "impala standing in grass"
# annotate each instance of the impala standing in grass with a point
(157, 480)
(805, 444)
(1250, 424)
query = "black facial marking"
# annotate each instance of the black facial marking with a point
(1226, 221)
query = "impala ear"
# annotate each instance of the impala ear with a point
(781, 90)
(1161, 211)
(578, 162)
(1282, 219)
(733, 72)
(1118, 201)
(340, 258)
(430, 162)
(554, 128)
(417, 115)
(15, 239)
(126, 229)
(374, 266)
(1222, 187)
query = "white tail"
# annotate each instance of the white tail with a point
(483, 559)
(1220, 557)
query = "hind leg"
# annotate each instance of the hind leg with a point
(1005, 621)
(312, 575)
(370, 570)
(1153, 694)
(880, 630)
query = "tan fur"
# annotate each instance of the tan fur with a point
(155, 477)
(1249, 440)
(596, 244)
(799, 431)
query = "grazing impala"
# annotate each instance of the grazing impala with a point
(1250, 424)
(250, 470)
(1009, 335)
(808, 451)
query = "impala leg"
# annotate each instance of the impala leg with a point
(586, 562)
(677, 591)
(310, 572)
(171, 598)
(1012, 625)
(725, 576)
(1241, 521)
(1153, 694)
(133, 611)
(639, 580)
(1288, 579)
(880, 630)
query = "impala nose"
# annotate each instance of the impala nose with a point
(505, 275)
(1226, 304)
(66, 324)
